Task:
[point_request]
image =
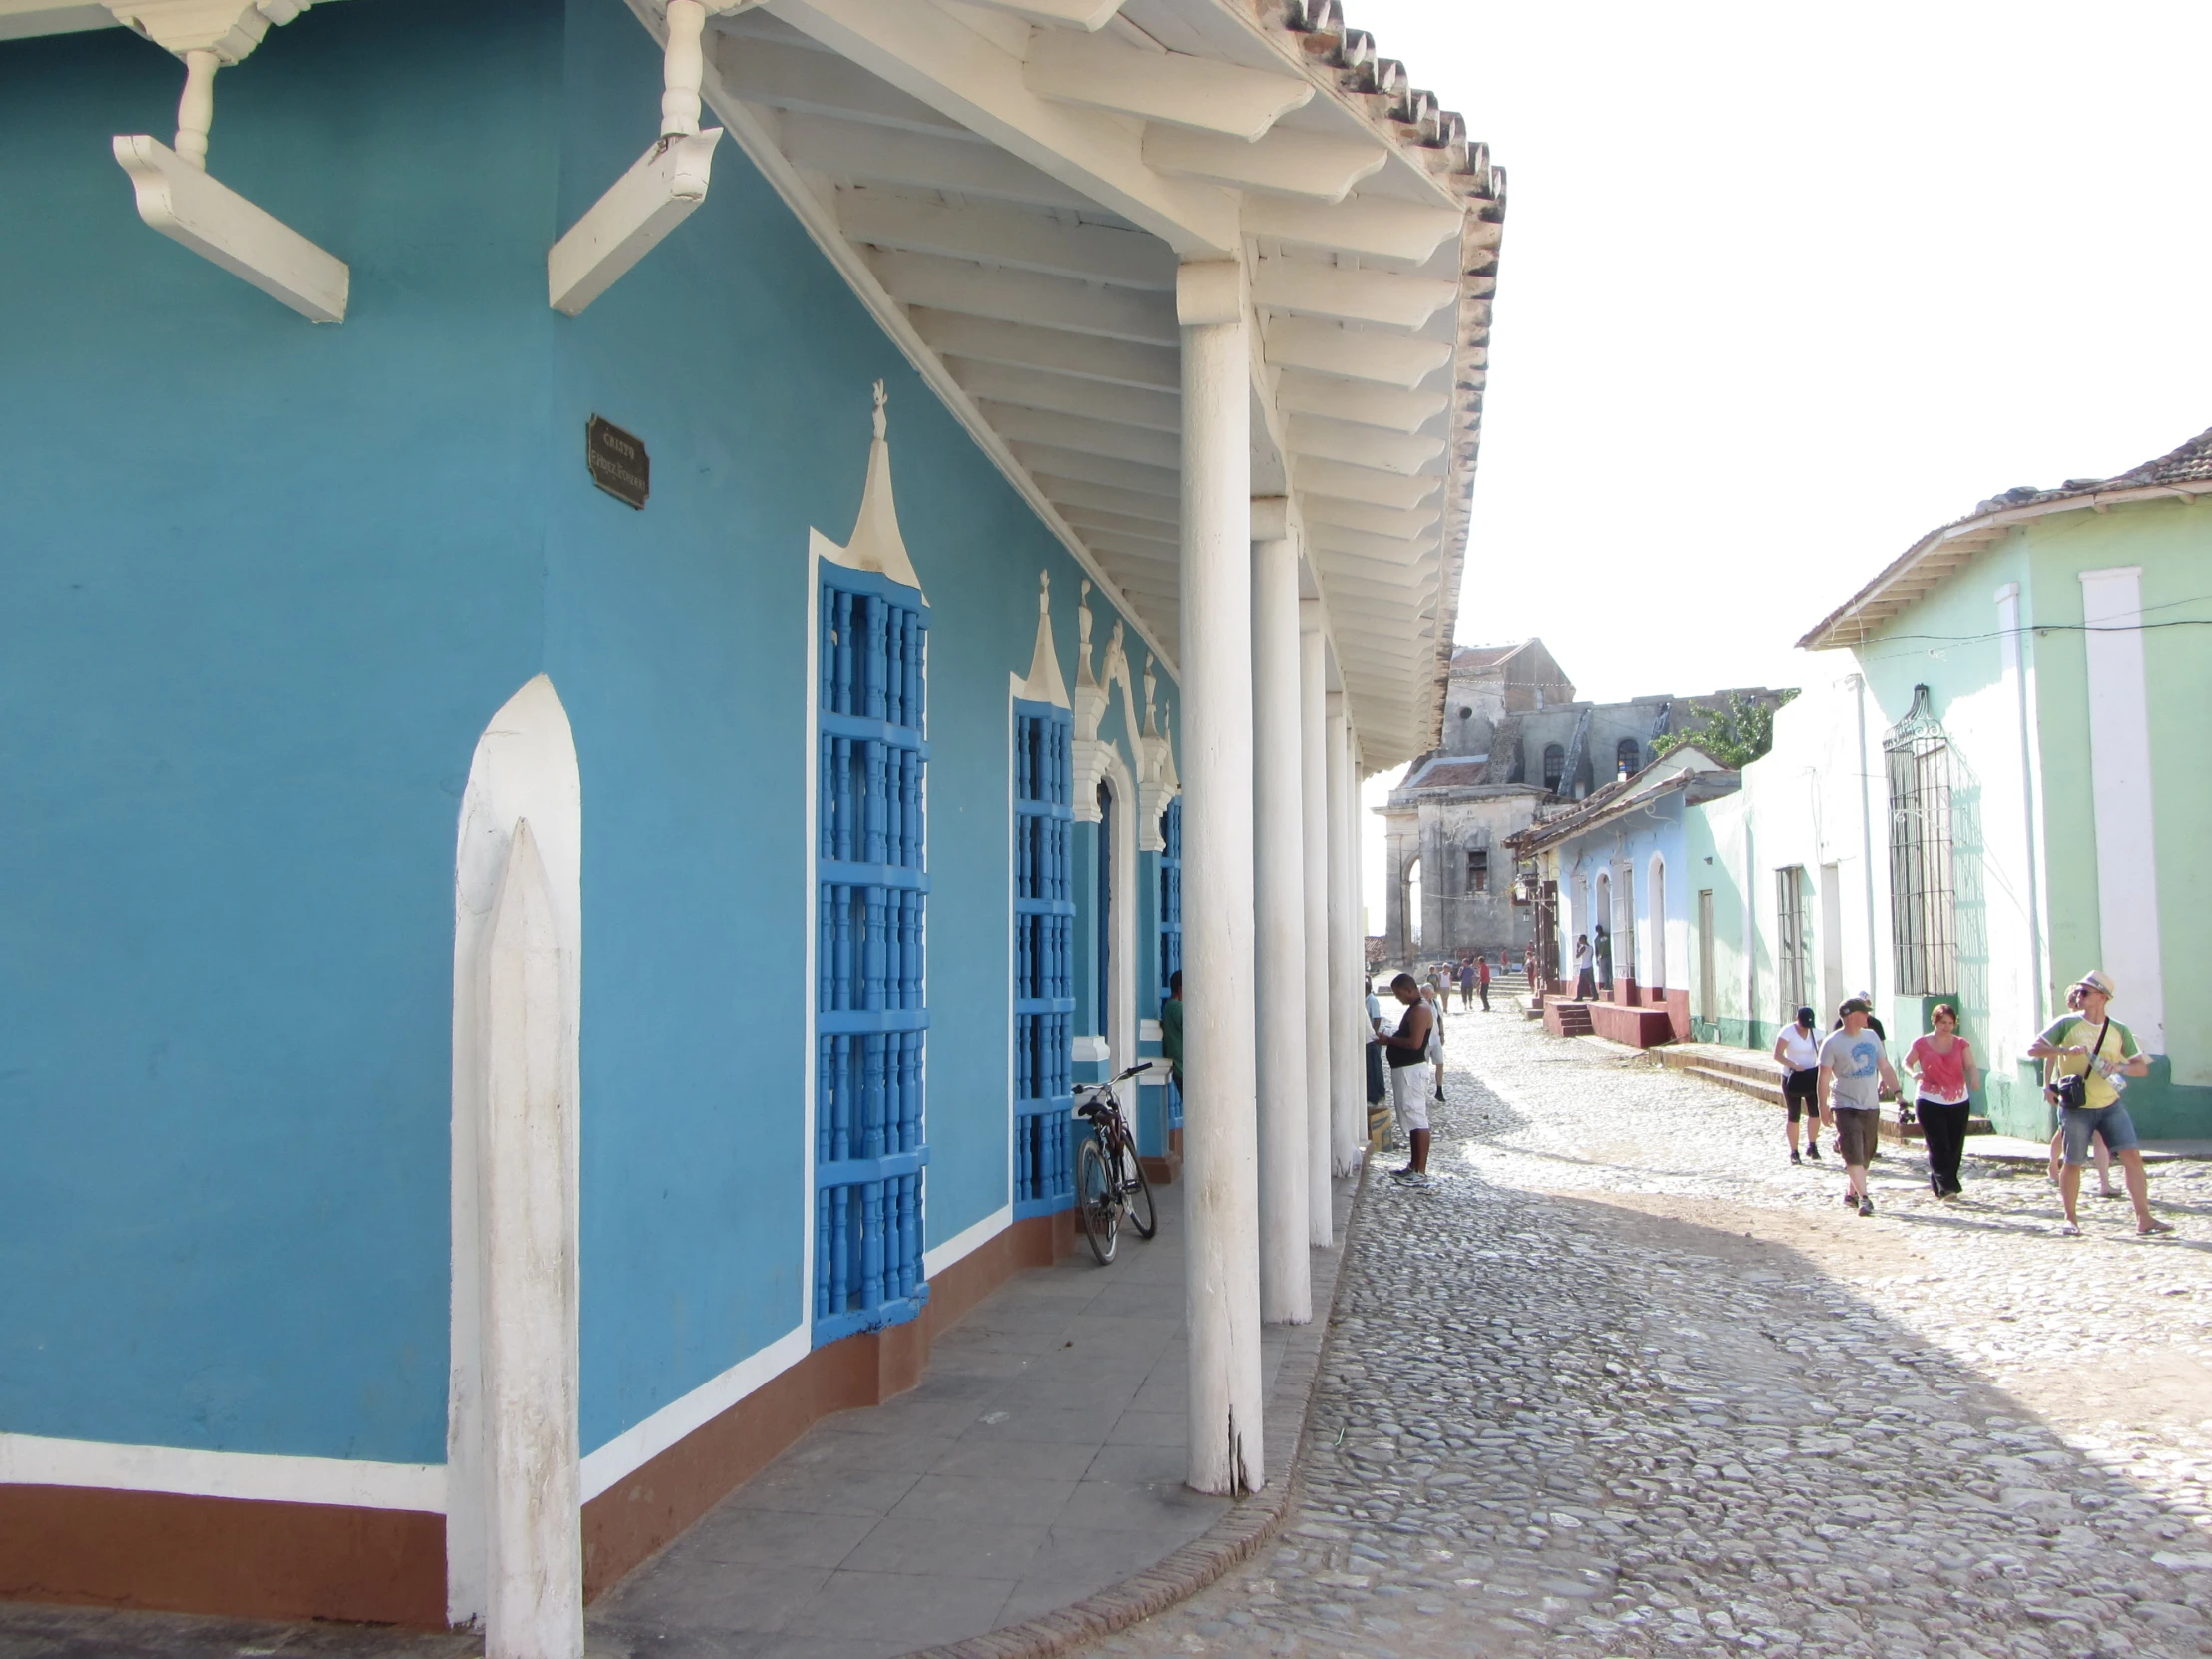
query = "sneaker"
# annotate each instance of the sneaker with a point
(1794, 1157)
(1408, 1173)
(1813, 1152)
(1866, 1206)
(1849, 1202)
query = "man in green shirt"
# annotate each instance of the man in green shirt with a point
(2103, 1053)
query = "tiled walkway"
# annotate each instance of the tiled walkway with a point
(1040, 1461)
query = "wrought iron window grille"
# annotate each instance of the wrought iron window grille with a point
(1924, 909)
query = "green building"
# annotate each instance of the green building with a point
(1995, 787)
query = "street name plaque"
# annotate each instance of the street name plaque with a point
(618, 462)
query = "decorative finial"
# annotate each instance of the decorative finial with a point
(1083, 626)
(882, 426)
(1044, 592)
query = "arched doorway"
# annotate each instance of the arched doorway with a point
(1114, 913)
(1656, 906)
(1102, 925)
(1602, 946)
(1413, 932)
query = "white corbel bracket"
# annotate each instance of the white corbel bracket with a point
(222, 227)
(662, 187)
(175, 196)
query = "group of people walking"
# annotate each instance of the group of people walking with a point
(1837, 1080)
(1470, 974)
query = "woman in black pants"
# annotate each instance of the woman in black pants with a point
(1943, 1066)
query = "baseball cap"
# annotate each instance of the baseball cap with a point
(2096, 980)
(1855, 1005)
(1805, 1016)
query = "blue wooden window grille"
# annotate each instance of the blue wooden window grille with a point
(871, 1004)
(1171, 922)
(1044, 959)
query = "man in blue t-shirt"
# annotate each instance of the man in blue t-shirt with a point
(1854, 1072)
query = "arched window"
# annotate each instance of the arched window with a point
(1627, 755)
(1044, 958)
(1555, 765)
(872, 1011)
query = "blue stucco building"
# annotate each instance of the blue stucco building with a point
(465, 924)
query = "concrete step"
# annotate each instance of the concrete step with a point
(1739, 1062)
(1742, 1084)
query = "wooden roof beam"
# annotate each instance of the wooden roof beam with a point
(1199, 94)
(1006, 236)
(972, 78)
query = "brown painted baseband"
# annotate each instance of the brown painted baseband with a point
(1230, 1541)
(249, 1560)
(90, 1546)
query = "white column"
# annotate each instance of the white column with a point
(527, 1178)
(1312, 771)
(1220, 1146)
(1347, 1022)
(1278, 922)
(2121, 801)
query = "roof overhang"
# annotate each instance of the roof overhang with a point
(1008, 186)
(1932, 560)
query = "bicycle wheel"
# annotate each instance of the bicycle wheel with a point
(1097, 1202)
(1139, 1191)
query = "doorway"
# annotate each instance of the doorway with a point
(1705, 956)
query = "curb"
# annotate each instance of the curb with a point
(1230, 1541)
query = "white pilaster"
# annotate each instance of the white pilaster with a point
(1312, 773)
(528, 1185)
(2120, 797)
(1279, 922)
(1347, 1022)
(2014, 664)
(1220, 1143)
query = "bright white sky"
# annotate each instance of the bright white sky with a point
(1785, 286)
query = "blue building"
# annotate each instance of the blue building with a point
(554, 917)
(1614, 870)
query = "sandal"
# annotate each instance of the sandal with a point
(2072, 1230)
(2155, 1227)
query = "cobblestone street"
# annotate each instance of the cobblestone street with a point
(1625, 1381)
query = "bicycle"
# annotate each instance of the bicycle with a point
(1109, 1176)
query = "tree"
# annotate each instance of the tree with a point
(1734, 736)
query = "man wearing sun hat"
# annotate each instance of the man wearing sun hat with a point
(2102, 1054)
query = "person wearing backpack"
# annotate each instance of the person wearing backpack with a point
(2087, 1059)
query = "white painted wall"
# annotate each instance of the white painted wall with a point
(2120, 786)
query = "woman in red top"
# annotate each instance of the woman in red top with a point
(1943, 1063)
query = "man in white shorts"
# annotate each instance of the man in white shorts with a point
(1412, 1078)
